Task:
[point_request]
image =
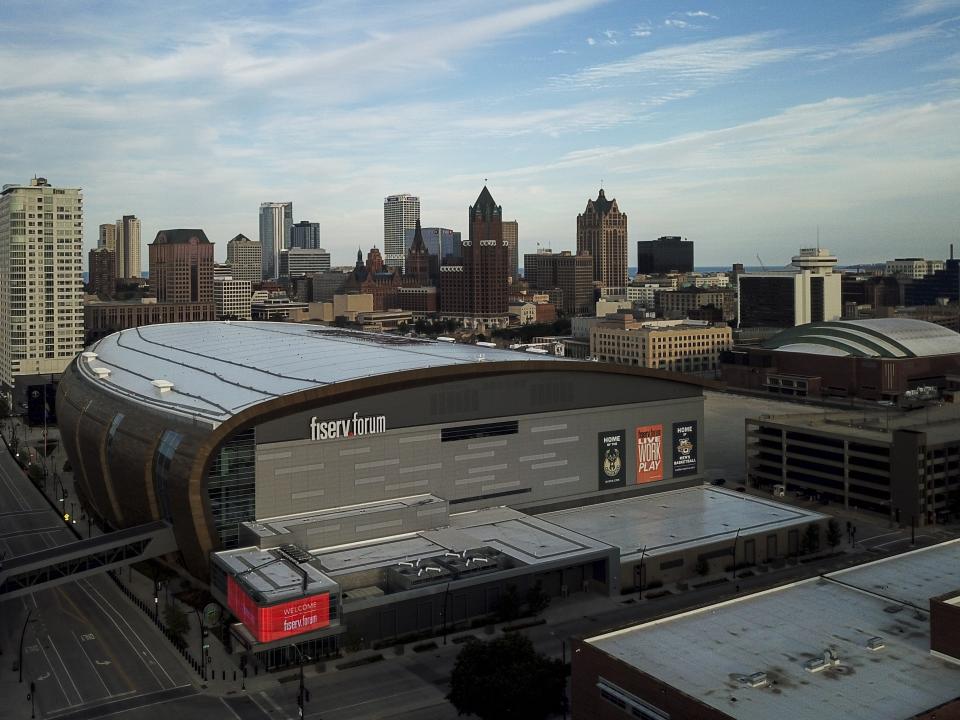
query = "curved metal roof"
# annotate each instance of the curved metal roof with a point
(217, 369)
(880, 338)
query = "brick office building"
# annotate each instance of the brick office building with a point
(602, 232)
(474, 289)
(103, 272)
(567, 277)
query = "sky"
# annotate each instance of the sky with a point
(743, 126)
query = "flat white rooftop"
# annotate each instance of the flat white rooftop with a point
(270, 577)
(529, 540)
(217, 369)
(705, 653)
(677, 520)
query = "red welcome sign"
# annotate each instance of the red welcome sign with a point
(274, 622)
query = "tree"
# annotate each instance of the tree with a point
(36, 473)
(507, 606)
(811, 539)
(834, 533)
(537, 599)
(507, 679)
(176, 619)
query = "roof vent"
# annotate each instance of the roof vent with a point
(876, 643)
(89, 356)
(162, 385)
(755, 680)
(101, 372)
(827, 660)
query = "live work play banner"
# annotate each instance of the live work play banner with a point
(649, 453)
(685, 448)
(612, 450)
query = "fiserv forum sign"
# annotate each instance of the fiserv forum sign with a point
(351, 427)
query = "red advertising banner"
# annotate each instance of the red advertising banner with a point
(649, 453)
(274, 622)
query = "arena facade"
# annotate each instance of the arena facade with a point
(307, 442)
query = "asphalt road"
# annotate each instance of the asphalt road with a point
(85, 645)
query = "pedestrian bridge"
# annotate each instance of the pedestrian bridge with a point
(29, 573)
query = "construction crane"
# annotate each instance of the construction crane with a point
(762, 266)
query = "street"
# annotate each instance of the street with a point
(84, 644)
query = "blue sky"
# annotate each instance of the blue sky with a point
(741, 125)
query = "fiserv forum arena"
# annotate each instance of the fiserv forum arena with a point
(406, 482)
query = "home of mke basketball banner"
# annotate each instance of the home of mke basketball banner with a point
(649, 453)
(612, 449)
(685, 448)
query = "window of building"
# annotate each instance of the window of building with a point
(161, 469)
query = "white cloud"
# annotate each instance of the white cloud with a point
(697, 64)
(591, 41)
(876, 169)
(917, 8)
(887, 42)
(225, 56)
(700, 14)
(675, 23)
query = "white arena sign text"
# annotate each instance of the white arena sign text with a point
(351, 427)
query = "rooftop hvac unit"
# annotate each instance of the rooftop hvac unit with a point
(757, 679)
(827, 660)
(162, 385)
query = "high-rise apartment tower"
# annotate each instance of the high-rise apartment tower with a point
(41, 289)
(276, 218)
(108, 237)
(128, 247)
(511, 232)
(400, 213)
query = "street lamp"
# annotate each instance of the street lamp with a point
(203, 636)
(301, 694)
(22, 633)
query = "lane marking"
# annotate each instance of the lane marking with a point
(330, 708)
(263, 694)
(232, 711)
(127, 623)
(87, 656)
(68, 709)
(65, 669)
(56, 676)
(81, 585)
(91, 637)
